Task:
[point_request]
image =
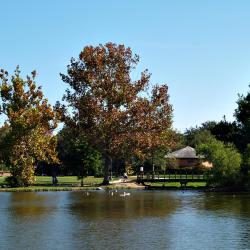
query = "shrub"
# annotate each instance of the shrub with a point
(226, 162)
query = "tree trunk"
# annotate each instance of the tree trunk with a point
(107, 166)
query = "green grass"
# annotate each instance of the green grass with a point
(2, 180)
(44, 189)
(46, 180)
(43, 183)
(63, 181)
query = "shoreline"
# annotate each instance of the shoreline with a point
(119, 185)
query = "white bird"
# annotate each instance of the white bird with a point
(124, 194)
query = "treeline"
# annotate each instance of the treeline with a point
(225, 144)
(111, 121)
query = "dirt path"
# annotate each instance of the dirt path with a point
(128, 184)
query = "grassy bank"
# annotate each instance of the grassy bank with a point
(72, 183)
(62, 180)
(69, 180)
(65, 183)
(44, 189)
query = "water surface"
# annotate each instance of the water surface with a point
(143, 220)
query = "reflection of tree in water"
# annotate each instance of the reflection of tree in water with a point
(32, 205)
(121, 221)
(233, 210)
(237, 205)
(101, 205)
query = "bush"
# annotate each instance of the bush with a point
(14, 181)
(226, 162)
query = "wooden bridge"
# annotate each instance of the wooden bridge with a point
(181, 177)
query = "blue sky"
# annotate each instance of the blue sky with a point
(201, 49)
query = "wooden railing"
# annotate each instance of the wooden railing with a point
(173, 176)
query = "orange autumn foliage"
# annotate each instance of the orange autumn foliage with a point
(117, 115)
(31, 121)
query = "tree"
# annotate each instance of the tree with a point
(245, 167)
(226, 162)
(76, 156)
(225, 131)
(112, 111)
(242, 114)
(196, 136)
(31, 121)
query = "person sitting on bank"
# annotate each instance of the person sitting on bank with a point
(125, 177)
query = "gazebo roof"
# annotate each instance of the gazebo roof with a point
(187, 153)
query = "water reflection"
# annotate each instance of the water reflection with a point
(28, 204)
(223, 204)
(145, 219)
(139, 204)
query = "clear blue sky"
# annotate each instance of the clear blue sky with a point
(201, 49)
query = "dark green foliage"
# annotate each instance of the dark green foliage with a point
(223, 130)
(156, 161)
(4, 130)
(242, 114)
(197, 136)
(14, 181)
(77, 156)
(246, 164)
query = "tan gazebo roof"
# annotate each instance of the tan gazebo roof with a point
(187, 153)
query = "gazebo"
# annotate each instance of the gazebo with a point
(185, 157)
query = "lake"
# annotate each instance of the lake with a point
(142, 220)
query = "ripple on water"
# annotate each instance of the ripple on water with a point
(145, 219)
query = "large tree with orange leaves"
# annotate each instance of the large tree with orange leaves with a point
(31, 120)
(115, 113)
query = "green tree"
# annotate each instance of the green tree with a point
(246, 165)
(196, 136)
(3, 132)
(225, 131)
(226, 162)
(242, 114)
(77, 156)
(114, 113)
(31, 121)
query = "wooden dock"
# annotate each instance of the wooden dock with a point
(182, 178)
